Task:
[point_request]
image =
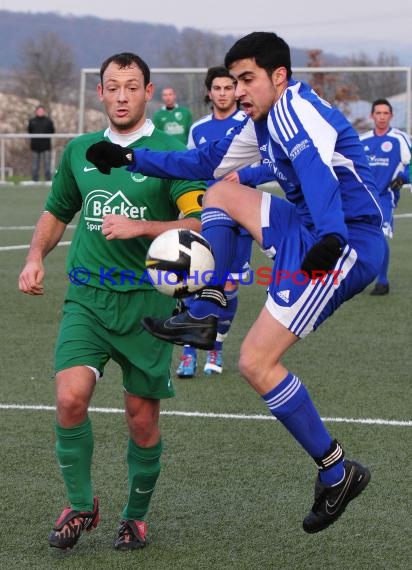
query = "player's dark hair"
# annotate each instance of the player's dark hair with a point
(217, 71)
(127, 59)
(211, 74)
(266, 48)
(381, 101)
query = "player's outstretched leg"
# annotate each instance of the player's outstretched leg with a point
(339, 480)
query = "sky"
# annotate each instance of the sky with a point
(342, 27)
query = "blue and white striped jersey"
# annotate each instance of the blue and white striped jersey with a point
(209, 129)
(315, 154)
(389, 156)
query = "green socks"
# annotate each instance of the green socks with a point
(144, 469)
(74, 450)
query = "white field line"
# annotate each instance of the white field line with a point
(67, 243)
(369, 421)
(69, 227)
(212, 415)
(73, 226)
(15, 247)
(26, 246)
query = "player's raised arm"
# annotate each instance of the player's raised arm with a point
(211, 161)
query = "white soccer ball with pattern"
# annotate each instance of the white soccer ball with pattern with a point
(180, 262)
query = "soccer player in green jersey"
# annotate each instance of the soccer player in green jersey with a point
(172, 118)
(108, 295)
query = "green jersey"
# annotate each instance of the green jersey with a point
(176, 122)
(117, 265)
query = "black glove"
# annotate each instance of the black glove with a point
(397, 183)
(106, 155)
(323, 255)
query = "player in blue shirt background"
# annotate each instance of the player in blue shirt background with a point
(325, 239)
(225, 116)
(389, 154)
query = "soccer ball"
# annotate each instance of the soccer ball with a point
(180, 262)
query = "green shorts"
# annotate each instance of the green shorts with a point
(99, 325)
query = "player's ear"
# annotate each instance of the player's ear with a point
(150, 89)
(100, 91)
(279, 75)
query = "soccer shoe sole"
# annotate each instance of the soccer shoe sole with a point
(211, 369)
(185, 375)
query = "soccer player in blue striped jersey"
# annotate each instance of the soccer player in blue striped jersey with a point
(325, 239)
(225, 116)
(389, 154)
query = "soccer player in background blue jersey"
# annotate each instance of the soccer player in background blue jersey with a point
(225, 116)
(325, 239)
(389, 154)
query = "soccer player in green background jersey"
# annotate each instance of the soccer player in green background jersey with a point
(172, 118)
(108, 295)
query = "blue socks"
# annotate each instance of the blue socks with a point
(291, 404)
(382, 277)
(226, 318)
(219, 229)
(189, 350)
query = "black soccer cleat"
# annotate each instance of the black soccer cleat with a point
(184, 329)
(330, 502)
(380, 289)
(70, 525)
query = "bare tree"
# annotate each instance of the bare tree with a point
(334, 87)
(46, 75)
(47, 70)
(195, 49)
(348, 90)
(374, 85)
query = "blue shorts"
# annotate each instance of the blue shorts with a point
(298, 302)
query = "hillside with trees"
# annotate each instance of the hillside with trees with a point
(93, 39)
(42, 55)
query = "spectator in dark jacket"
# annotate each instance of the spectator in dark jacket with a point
(40, 147)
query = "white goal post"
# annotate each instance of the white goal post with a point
(372, 82)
